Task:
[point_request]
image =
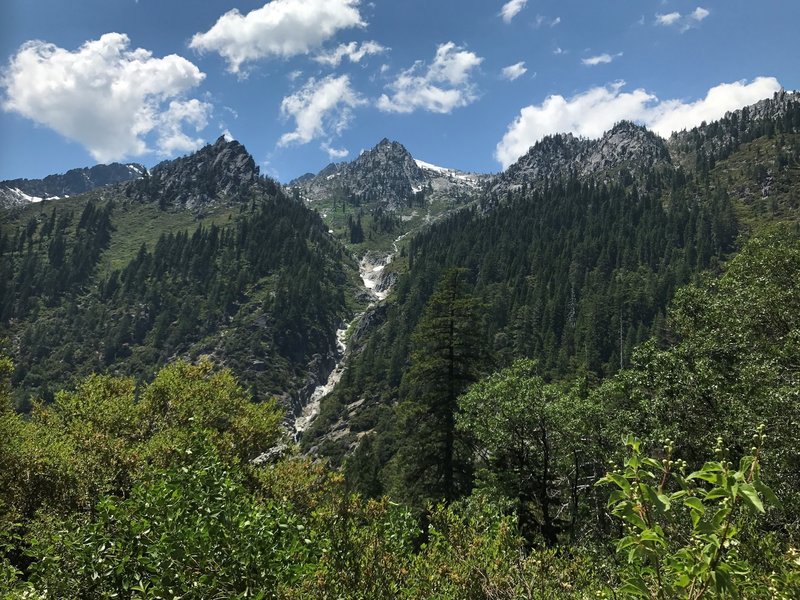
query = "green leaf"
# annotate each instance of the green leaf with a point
(720, 516)
(619, 481)
(635, 586)
(649, 535)
(695, 504)
(710, 472)
(750, 496)
(651, 462)
(633, 443)
(717, 492)
(626, 542)
(626, 513)
(768, 494)
(678, 495)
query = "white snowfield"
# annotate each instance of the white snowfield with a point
(22, 197)
(426, 165)
(16, 196)
(452, 174)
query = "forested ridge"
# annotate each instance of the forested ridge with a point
(264, 287)
(578, 387)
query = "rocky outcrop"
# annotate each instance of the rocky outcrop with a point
(219, 172)
(626, 146)
(386, 176)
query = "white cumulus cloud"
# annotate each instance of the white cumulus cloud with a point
(441, 87)
(281, 28)
(591, 113)
(600, 59)
(675, 115)
(514, 71)
(321, 108)
(684, 22)
(106, 96)
(172, 138)
(668, 18)
(352, 51)
(334, 153)
(511, 9)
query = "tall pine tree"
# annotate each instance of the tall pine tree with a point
(432, 463)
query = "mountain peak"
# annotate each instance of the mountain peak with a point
(626, 145)
(386, 150)
(626, 126)
(388, 175)
(224, 170)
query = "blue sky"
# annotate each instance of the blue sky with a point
(468, 84)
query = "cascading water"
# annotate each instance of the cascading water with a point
(370, 268)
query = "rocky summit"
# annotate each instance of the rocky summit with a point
(626, 146)
(219, 172)
(387, 175)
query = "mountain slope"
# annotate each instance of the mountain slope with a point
(578, 262)
(247, 276)
(383, 194)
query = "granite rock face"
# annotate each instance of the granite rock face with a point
(626, 146)
(219, 172)
(386, 176)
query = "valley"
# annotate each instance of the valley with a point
(400, 358)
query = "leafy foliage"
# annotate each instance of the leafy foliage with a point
(533, 447)
(192, 530)
(667, 558)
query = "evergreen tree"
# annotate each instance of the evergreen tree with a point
(445, 359)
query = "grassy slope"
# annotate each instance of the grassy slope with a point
(767, 193)
(134, 223)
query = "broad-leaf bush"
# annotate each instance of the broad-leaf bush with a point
(681, 531)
